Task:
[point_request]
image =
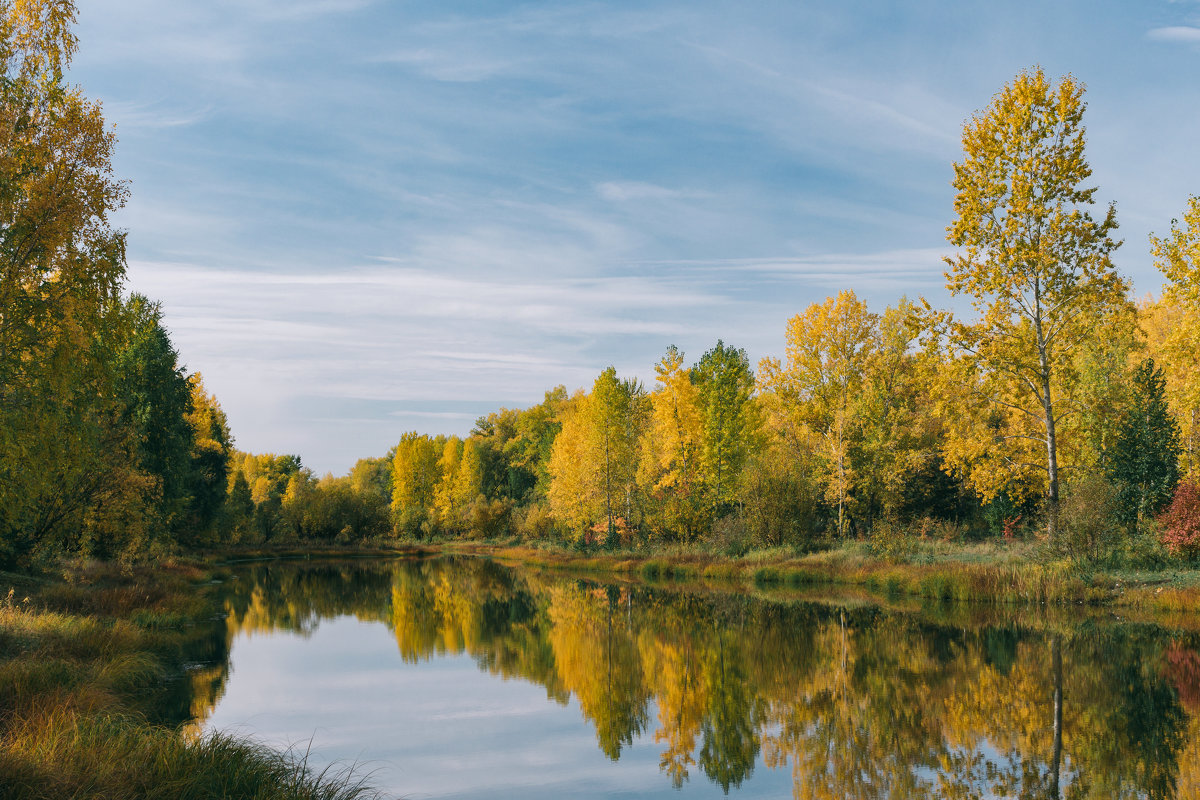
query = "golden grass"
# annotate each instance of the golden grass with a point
(991, 572)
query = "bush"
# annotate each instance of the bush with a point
(535, 523)
(891, 541)
(1089, 519)
(1144, 549)
(489, 519)
(731, 536)
(1180, 523)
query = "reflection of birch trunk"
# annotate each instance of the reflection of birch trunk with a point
(1056, 760)
(609, 648)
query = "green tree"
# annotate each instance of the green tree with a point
(1037, 268)
(1144, 462)
(726, 384)
(373, 476)
(157, 399)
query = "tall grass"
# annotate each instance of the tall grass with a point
(60, 753)
(1001, 572)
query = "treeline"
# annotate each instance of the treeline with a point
(1063, 405)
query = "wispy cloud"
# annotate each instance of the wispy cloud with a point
(622, 191)
(344, 202)
(1175, 33)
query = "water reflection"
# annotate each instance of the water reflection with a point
(856, 701)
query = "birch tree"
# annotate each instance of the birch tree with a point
(1036, 265)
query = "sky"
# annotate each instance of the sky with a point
(364, 217)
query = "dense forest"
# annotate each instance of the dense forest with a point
(1061, 408)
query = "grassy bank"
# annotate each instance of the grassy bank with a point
(995, 572)
(94, 684)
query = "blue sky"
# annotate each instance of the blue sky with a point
(368, 216)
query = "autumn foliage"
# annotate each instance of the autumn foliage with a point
(1180, 523)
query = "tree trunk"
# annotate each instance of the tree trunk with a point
(1056, 758)
(1048, 410)
(1051, 461)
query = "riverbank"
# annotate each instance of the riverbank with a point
(1005, 573)
(99, 665)
(95, 665)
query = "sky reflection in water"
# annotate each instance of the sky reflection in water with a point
(467, 679)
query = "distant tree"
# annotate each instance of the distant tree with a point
(157, 399)
(415, 477)
(1173, 327)
(726, 384)
(212, 449)
(1143, 464)
(669, 469)
(594, 460)
(829, 349)
(373, 476)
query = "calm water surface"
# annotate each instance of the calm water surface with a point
(464, 678)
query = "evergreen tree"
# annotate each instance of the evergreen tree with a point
(1144, 461)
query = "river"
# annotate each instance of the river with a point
(465, 678)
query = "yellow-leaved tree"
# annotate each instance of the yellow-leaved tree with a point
(669, 467)
(1036, 265)
(62, 465)
(828, 347)
(1173, 327)
(593, 464)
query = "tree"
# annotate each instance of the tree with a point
(1144, 461)
(63, 466)
(157, 400)
(373, 476)
(1178, 255)
(573, 494)
(669, 463)
(1036, 266)
(725, 384)
(1173, 328)
(614, 410)
(593, 465)
(415, 477)
(828, 349)
(212, 447)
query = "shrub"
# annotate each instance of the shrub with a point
(731, 535)
(1180, 523)
(1089, 519)
(891, 541)
(535, 523)
(489, 518)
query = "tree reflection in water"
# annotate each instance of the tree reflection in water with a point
(858, 701)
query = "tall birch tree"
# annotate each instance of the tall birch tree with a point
(1036, 265)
